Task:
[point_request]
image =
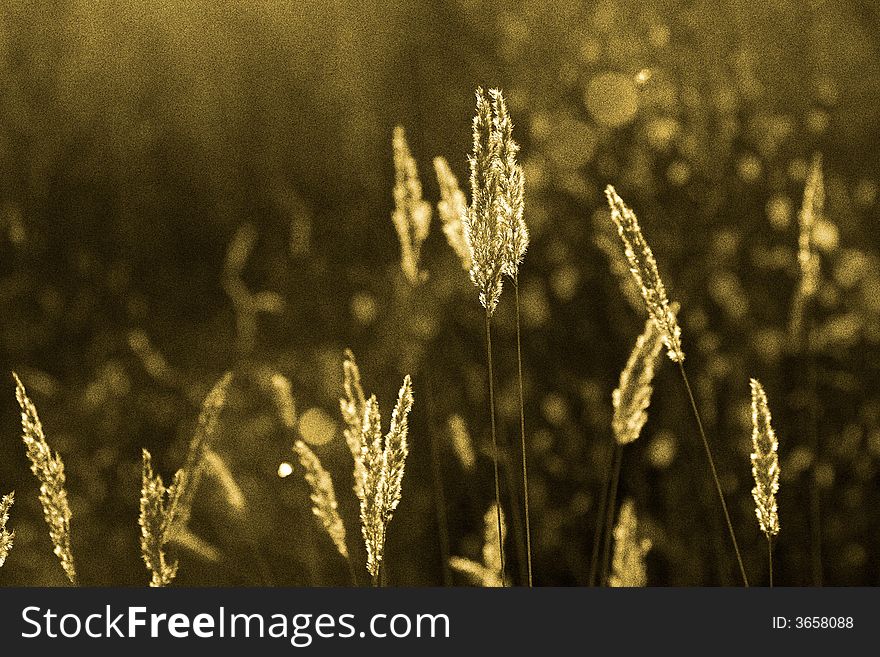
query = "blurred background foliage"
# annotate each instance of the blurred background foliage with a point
(191, 187)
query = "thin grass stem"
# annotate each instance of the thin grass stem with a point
(522, 432)
(495, 454)
(770, 558)
(440, 499)
(609, 512)
(812, 432)
(515, 519)
(600, 515)
(699, 420)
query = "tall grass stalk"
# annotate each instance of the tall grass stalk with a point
(510, 470)
(323, 497)
(616, 462)
(437, 475)
(411, 218)
(485, 231)
(809, 280)
(200, 444)
(495, 454)
(645, 273)
(765, 468)
(514, 242)
(48, 468)
(6, 537)
(714, 471)
(382, 462)
(600, 514)
(484, 573)
(629, 550)
(159, 507)
(630, 401)
(522, 431)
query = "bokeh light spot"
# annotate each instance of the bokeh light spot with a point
(612, 99)
(316, 427)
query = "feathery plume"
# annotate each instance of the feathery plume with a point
(5, 536)
(462, 444)
(383, 462)
(323, 496)
(159, 509)
(633, 394)
(485, 574)
(200, 445)
(606, 239)
(373, 486)
(484, 226)
(49, 471)
(352, 408)
(765, 462)
(812, 209)
(397, 447)
(512, 187)
(628, 563)
(412, 214)
(452, 208)
(643, 268)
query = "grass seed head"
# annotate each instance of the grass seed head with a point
(373, 486)
(484, 227)
(397, 447)
(6, 536)
(48, 468)
(452, 209)
(765, 462)
(412, 214)
(628, 562)
(511, 187)
(159, 509)
(633, 395)
(809, 270)
(383, 461)
(352, 408)
(323, 496)
(643, 268)
(485, 574)
(200, 445)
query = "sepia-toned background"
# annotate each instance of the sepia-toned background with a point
(155, 156)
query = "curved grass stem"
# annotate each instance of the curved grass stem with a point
(699, 420)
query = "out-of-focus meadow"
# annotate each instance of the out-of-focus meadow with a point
(193, 187)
